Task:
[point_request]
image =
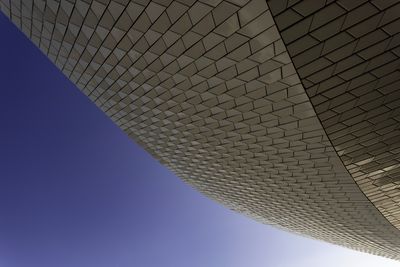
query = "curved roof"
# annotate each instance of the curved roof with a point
(347, 54)
(209, 89)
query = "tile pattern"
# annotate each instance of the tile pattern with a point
(208, 88)
(347, 54)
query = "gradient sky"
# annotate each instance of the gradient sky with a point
(76, 192)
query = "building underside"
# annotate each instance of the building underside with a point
(286, 111)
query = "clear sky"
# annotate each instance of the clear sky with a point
(76, 192)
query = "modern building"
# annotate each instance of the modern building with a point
(287, 111)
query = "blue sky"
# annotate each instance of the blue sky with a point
(76, 192)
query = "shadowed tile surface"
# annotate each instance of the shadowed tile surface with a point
(347, 54)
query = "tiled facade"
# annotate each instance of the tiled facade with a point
(347, 54)
(209, 89)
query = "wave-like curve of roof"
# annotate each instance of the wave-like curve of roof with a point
(286, 111)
